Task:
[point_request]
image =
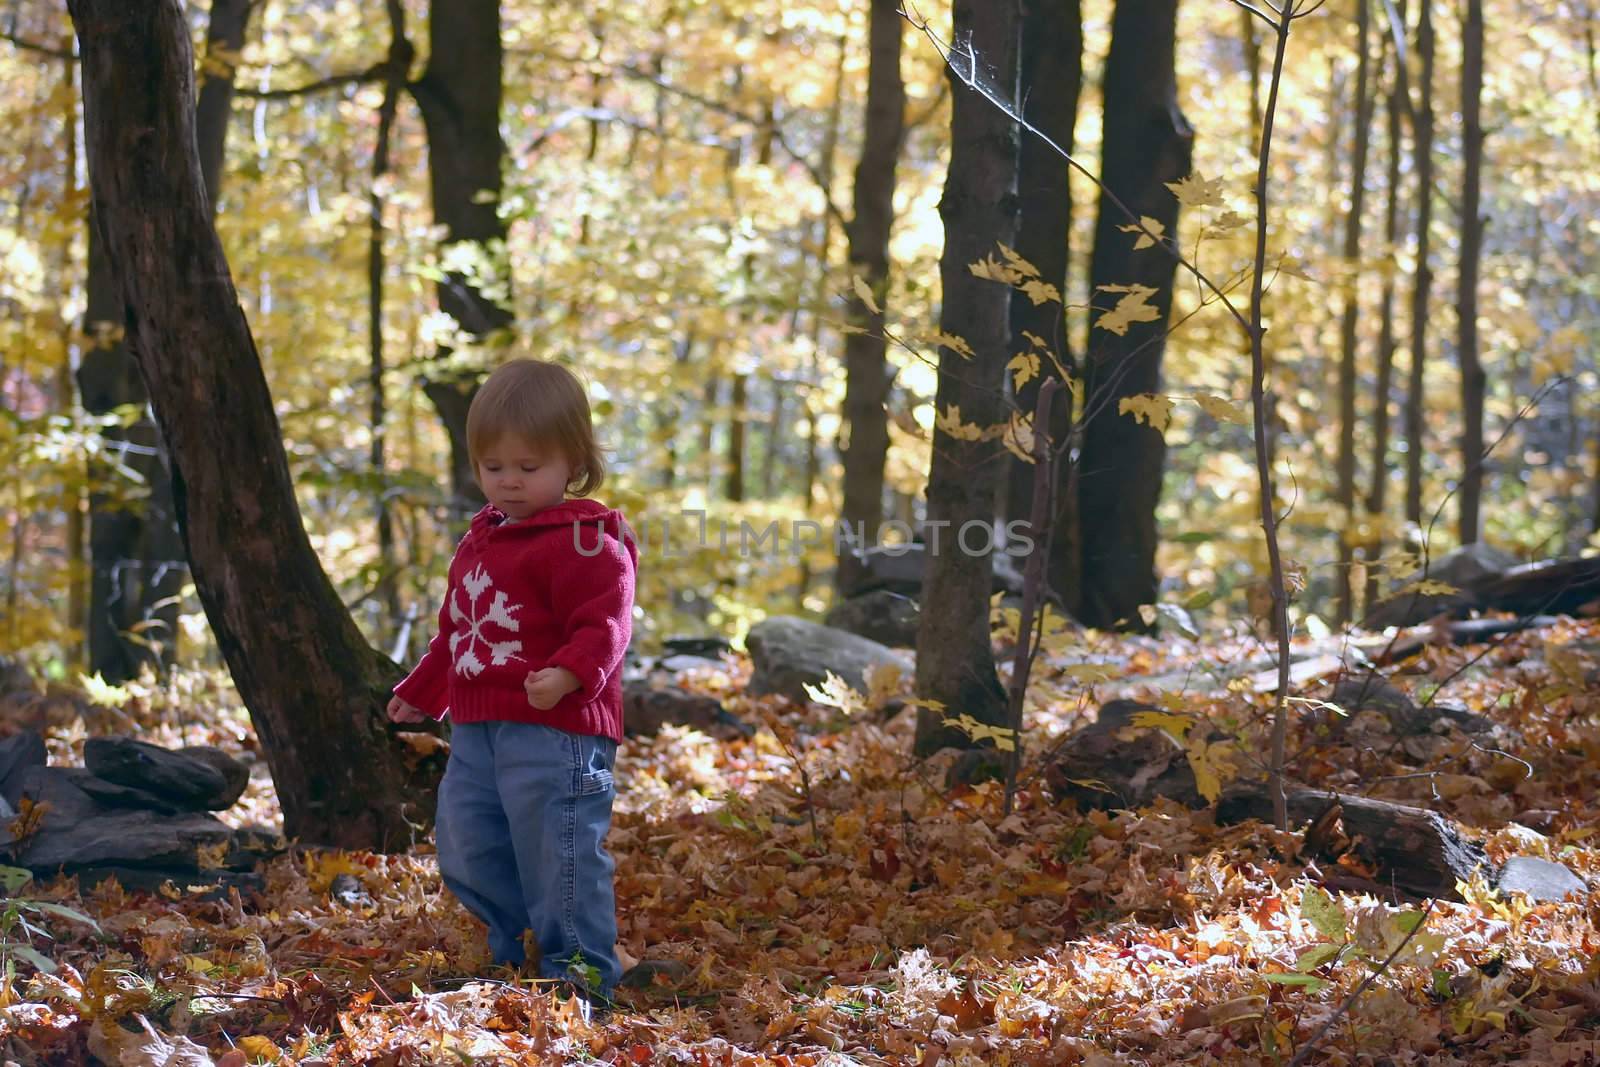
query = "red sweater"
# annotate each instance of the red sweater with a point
(548, 591)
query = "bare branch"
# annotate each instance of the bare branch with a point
(1256, 11)
(371, 75)
(734, 113)
(41, 49)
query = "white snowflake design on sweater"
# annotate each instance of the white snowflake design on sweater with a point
(501, 612)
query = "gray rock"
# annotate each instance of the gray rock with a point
(882, 616)
(143, 839)
(710, 646)
(790, 653)
(900, 568)
(1541, 880)
(19, 752)
(235, 773)
(192, 779)
(67, 802)
(112, 795)
(646, 708)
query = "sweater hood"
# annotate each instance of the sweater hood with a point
(582, 511)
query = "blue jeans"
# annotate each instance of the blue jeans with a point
(523, 814)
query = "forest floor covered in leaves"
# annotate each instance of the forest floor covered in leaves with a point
(861, 913)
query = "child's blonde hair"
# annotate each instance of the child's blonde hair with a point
(544, 404)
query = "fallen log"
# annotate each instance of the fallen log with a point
(1552, 587)
(1419, 852)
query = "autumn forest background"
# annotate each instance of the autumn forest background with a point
(1271, 326)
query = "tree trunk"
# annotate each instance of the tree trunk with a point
(738, 413)
(399, 66)
(1377, 492)
(1052, 77)
(314, 688)
(1147, 144)
(1473, 378)
(137, 563)
(1423, 141)
(955, 662)
(136, 553)
(459, 98)
(1362, 138)
(866, 393)
(708, 416)
(772, 444)
(214, 107)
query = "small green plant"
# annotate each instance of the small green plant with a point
(20, 924)
(1377, 939)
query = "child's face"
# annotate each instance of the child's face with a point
(520, 479)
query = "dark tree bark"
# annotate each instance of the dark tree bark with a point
(1422, 140)
(772, 443)
(867, 375)
(1362, 137)
(459, 97)
(1377, 492)
(398, 69)
(1147, 144)
(1473, 378)
(314, 688)
(955, 662)
(138, 567)
(738, 412)
(137, 557)
(214, 107)
(1052, 78)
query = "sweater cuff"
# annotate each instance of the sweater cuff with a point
(431, 695)
(591, 679)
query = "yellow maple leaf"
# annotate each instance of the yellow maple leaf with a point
(1227, 222)
(1204, 761)
(1149, 230)
(1134, 306)
(835, 692)
(1026, 366)
(864, 294)
(949, 423)
(1039, 291)
(1151, 408)
(1220, 409)
(1035, 340)
(1294, 266)
(991, 269)
(1018, 437)
(1195, 191)
(1176, 725)
(958, 345)
(1016, 261)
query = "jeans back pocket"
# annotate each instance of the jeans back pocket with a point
(595, 757)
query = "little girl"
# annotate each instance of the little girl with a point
(527, 662)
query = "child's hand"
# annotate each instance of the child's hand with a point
(400, 711)
(545, 688)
